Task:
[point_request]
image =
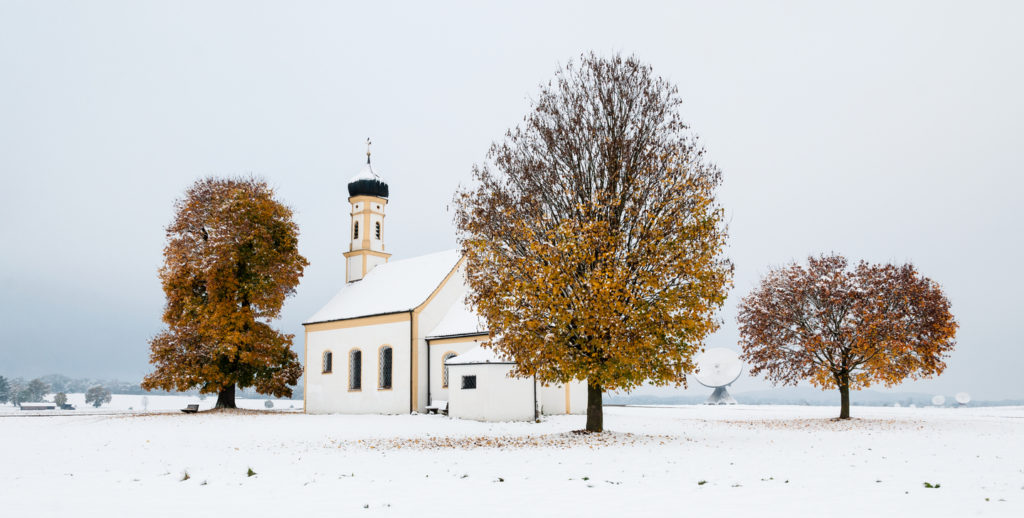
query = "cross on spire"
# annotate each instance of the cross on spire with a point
(368, 150)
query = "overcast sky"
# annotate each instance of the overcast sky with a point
(889, 132)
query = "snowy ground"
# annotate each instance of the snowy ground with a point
(670, 461)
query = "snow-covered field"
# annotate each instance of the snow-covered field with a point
(669, 461)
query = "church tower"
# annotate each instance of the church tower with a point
(368, 195)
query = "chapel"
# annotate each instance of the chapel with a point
(398, 338)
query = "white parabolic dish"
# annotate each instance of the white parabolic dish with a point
(718, 367)
(963, 398)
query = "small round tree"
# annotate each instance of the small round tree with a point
(846, 328)
(60, 399)
(97, 396)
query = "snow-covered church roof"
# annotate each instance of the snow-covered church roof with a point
(478, 355)
(392, 287)
(460, 320)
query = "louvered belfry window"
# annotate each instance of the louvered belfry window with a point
(355, 370)
(378, 230)
(355, 230)
(384, 363)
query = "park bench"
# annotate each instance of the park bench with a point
(437, 406)
(190, 409)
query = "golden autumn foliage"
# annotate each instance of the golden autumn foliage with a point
(593, 241)
(231, 261)
(846, 328)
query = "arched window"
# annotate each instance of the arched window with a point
(378, 231)
(328, 362)
(384, 368)
(444, 372)
(355, 230)
(355, 370)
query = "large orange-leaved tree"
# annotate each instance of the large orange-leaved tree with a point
(593, 239)
(230, 262)
(846, 327)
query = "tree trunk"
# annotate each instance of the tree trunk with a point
(844, 396)
(226, 397)
(595, 410)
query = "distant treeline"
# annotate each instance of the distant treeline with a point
(60, 383)
(783, 398)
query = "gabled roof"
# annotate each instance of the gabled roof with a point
(460, 320)
(392, 287)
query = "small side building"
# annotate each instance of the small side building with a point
(481, 389)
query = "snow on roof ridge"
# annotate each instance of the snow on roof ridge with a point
(478, 354)
(392, 287)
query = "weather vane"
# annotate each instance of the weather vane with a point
(368, 149)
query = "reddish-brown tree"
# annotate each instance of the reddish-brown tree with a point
(846, 328)
(593, 242)
(231, 260)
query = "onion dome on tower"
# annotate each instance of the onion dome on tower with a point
(368, 182)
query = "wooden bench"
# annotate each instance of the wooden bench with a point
(438, 406)
(190, 409)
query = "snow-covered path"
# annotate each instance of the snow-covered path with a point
(768, 460)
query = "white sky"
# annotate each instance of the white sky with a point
(884, 131)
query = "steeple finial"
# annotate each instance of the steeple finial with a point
(368, 150)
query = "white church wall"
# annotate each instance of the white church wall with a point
(578, 398)
(438, 348)
(355, 268)
(329, 393)
(553, 398)
(427, 320)
(496, 396)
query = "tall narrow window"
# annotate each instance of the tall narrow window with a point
(355, 370)
(328, 361)
(355, 230)
(378, 231)
(444, 371)
(384, 363)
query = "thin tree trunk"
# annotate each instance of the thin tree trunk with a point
(226, 397)
(844, 395)
(595, 409)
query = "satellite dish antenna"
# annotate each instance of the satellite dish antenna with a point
(939, 400)
(717, 368)
(962, 398)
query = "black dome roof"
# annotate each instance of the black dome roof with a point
(368, 187)
(368, 183)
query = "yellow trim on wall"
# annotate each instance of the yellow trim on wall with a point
(415, 336)
(567, 408)
(366, 252)
(415, 360)
(366, 197)
(390, 318)
(366, 235)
